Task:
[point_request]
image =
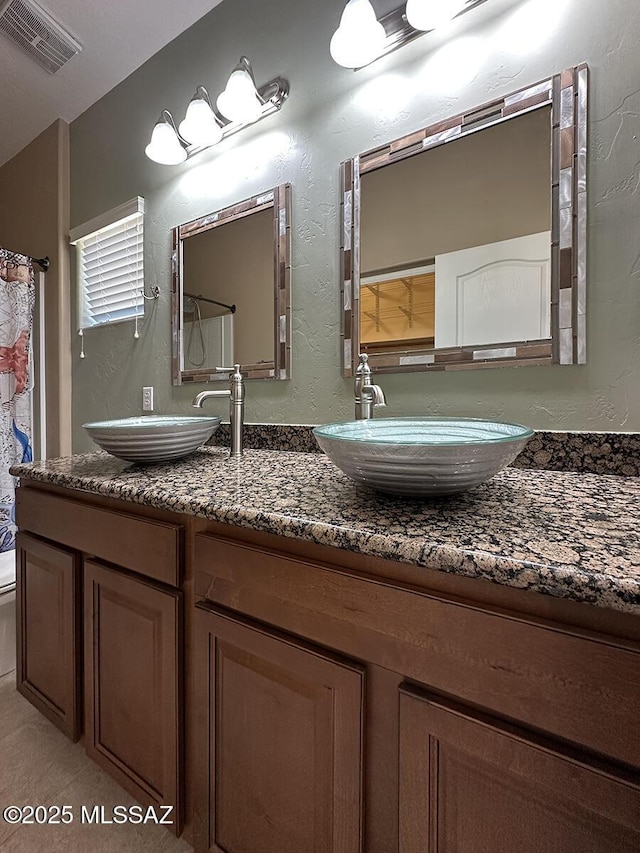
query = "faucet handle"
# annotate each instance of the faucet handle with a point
(236, 376)
(363, 372)
(237, 382)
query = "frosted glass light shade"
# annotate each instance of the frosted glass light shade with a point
(199, 126)
(165, 146)
(360, 38)
(239, 101)
(429, 14)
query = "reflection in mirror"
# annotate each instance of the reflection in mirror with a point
(433, 285)
(471, 253)
(231, 273)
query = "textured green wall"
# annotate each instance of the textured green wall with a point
(331, 115)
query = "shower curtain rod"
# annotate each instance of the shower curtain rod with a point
(43, 263)
(231, 308)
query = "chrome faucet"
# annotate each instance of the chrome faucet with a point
(366, 393)
(236, 406)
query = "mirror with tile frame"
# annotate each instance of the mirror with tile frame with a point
(231, 279)
(464, 243)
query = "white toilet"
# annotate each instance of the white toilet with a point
(7, 612)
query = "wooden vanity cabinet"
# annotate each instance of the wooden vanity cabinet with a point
(334, 703)
(484, 729)
(119, 573)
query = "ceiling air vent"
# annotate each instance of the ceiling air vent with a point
(35, 31)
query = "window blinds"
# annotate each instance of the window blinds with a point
(111, 270)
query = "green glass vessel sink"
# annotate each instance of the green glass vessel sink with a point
(152, 438)
(422, 456)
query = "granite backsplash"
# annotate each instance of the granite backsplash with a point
(584, 452)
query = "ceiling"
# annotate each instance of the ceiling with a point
(117, 36)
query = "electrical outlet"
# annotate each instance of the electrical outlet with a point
(147, 399)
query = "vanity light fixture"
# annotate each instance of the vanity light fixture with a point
(241, 103)
(200, 126)
(361, 38)
(240, 100)
(165, 146)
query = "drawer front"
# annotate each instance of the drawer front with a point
(543, 674)
(151, 548)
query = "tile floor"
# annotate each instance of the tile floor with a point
(39, 766)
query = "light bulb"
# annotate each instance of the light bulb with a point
(199, 126)
(239, 101)
(429, 14)
(360, 38)
(165, 146)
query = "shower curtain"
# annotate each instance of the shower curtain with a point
(17, 298)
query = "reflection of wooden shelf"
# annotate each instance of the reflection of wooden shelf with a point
(404, 345)
(398, 309)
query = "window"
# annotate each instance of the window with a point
(110, 265)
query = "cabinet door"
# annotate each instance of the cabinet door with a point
(471, 785)
(279, 735)
(48, 654)
(133, 695)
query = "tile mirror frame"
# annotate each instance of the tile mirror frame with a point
(279, 200)
(566, 94)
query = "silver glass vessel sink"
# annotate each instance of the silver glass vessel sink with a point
(152, 438)
(422, 456)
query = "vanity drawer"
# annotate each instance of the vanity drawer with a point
(147, 546)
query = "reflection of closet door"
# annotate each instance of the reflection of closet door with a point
(496, 293)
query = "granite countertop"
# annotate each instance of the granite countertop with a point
(569, 535)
